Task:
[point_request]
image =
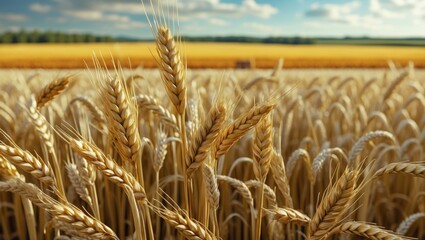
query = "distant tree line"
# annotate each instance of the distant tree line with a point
(51, 37)
(243, 39)
(61, 37)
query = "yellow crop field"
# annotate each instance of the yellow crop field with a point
(210, 55)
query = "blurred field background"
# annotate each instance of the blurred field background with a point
(211, 55)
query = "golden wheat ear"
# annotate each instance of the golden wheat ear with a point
(289, 215)
(333, 205)
(205, 138)
(64, 213)
(29, 163)
(172, 68)
(369, 231)
(233, 132)
(109, 168)
(51, 90)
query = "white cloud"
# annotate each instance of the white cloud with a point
(263, 29)
(333, 12)
(344, 14)
(409, 8)
(40, 8)
(187, 9)
(117, 21)
(218, 22)
(13, 17)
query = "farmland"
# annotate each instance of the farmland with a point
(127, 152)
(210, 55)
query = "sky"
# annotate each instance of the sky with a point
(320, 18)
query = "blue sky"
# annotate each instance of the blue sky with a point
(383, 18)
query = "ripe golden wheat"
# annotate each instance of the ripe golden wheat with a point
(260, 155)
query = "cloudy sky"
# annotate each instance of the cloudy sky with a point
(392, 18)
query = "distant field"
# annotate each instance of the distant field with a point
(210, 55)
(377, 42)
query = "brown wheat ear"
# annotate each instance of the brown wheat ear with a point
(52, 90)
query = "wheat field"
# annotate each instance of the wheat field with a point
(175, 153)
(210, 55)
